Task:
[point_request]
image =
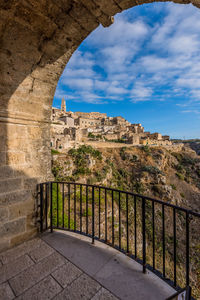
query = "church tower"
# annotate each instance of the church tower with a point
(63, 105)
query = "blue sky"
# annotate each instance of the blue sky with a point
(145, 67)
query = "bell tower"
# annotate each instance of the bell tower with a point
(63, 105)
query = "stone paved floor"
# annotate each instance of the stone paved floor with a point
(34, 270)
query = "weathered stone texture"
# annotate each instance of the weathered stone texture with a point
(10, 270)
(6, 292)
(66, 274)
(45, 289)
(37, 40)
(35, 273)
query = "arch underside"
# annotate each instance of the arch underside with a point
(37, 38)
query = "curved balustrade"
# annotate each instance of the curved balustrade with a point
(161, 236)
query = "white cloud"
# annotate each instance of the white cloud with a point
(134, 59)
(80, 83)
(191, 111)
(141, 93)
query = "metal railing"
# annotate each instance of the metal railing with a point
(184, 294)
(157, 234)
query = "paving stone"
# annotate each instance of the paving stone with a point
(41, 252)
(66, 274)
(13, 268)
(82, 288)
(45, 289)
(104, 294)
(5, 292)
(20, 250)
(37, 272)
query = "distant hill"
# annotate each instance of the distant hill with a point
(194, 144)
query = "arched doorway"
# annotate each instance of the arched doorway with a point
(37, 40)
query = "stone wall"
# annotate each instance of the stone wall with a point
(37, 38)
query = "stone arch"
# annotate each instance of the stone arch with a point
(37, 38)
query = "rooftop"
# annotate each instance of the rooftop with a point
(63, 265)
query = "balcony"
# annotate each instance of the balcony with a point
(65, 266)
(101, 243)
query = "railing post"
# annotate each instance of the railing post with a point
(174, 231)
(106, 227)
(41, 207)
(51, 208)
(144, 235)
(187, 250)
(135, 225)
(113, 230)
(92, 215)
(188, 292)
(163, 237)
(153, 233)
(127, 225)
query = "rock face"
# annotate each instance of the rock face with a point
(37, 40)
(169, 175)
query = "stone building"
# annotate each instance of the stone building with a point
(87, 122)
(69, 127)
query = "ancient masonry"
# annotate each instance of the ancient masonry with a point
(69, 129)
(37, 39)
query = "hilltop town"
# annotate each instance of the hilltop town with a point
(70, 129)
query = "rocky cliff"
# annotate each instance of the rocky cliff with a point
(158, 172)
(170, 175)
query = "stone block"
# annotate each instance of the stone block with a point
(2, 158)
(10, 185)
(13, 227)
(20, 238)
(3, 130)
(30, 183)
(4, 244)
(34, 21)
(104, 294)
(6, 292)
(82, 288)
(66, 274)
(35, 273)
(41, 252)
(13, 268)
(18, 38)
(6, 172)
(125, 4)
(84, 17)
(15, 158)
(20, 209)
(3, 143)
(14, 196)
(45, 289)
(110, 8)
(3, 214)
(22, 249)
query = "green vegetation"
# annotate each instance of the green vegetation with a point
(94, 137)
(83, 150)
(54, 152)
(146, 149)
(57, 170)
(180, 176)
(173, 186)
(116, 141)
(80, 158)
(151, 170)
(57, 205)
